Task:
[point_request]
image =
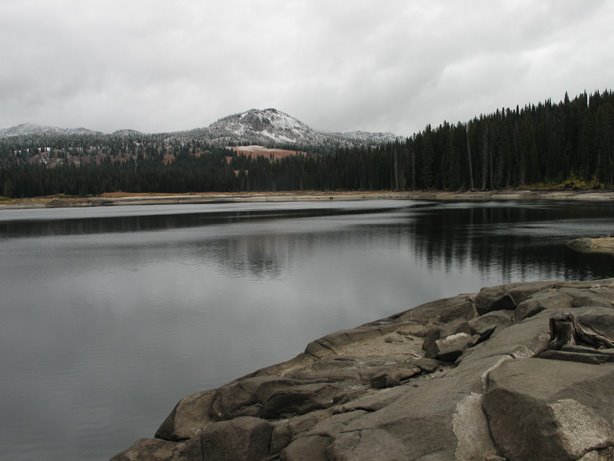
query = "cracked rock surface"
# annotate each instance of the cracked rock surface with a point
(472, 377)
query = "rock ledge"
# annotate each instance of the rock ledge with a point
(593, 245)
(522, 371)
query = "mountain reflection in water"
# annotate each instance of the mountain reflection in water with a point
(110, 315)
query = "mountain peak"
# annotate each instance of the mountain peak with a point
(273, 127)
(266, 127)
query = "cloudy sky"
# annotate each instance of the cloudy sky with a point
(394, 65)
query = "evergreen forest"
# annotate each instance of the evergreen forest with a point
(565, 144)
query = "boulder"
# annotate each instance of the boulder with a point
(506, 297)
(448, 349)
(589, 297)
(289, 429)
(427, 365)
(189, 416)
(238, 398)
(313, 445)
(554, 299)
(520, 340)
(562, 296)
(272, 397)
(445, 330)
(547, 410)
(417, 422)
(485, 325)
(241, 439)
(149, 450)
(599, 320)
(298, 400)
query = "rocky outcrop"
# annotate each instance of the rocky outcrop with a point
(516, 372)
(593, 245)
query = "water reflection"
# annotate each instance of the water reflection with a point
(109, 318)
(517, 241)
(96, 225)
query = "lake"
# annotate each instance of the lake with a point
(108, 316)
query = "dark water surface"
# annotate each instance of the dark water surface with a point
(109, 315)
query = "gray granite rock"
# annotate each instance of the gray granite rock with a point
(189, 416)
(149, 450)
(370, 392)
(445, 330)
(485, 325)
(451, 347)
(507, 297)
(240, 439)
(550, 410)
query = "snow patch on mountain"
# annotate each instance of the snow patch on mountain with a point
(274, 127)
(27, 129)
(268, 127)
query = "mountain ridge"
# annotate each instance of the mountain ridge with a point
(255, 126)
(25, 129)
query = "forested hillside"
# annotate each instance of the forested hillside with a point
(566, 144)
(547, 143)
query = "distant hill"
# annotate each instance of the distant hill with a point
(268, 127)
(30, 129)
(273, 127)
(549, 145)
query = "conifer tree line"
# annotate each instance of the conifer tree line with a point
(568, 143)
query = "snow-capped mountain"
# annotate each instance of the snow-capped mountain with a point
(264, 126)
(27, 129)
(273, 127)
(268, 127)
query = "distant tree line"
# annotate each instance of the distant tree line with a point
(568, 143)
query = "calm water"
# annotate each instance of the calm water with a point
(109, 315)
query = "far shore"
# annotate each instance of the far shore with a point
(122, 198)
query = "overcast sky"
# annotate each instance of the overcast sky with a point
(393, 65)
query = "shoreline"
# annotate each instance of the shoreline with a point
(124, 199)
(454, 379)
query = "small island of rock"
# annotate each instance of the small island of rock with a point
(593, 245)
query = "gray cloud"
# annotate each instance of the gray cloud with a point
(396, 65)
